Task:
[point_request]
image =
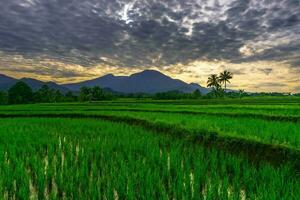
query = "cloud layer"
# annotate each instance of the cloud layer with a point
(147, 33)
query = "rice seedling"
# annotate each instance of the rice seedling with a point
(93, 159)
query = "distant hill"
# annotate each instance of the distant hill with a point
(148, 81)
(6, 82)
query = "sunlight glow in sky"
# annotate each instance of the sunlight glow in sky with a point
(69, 41)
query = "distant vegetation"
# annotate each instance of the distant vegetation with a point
(21, 93)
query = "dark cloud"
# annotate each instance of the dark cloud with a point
(270, 84)
(236, 71)
(151, 32)
(266, 71)
(45, 70)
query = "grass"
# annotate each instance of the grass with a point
(92, 159)
(272, 132)
(264, 130)
(151, 150)
(262, 109)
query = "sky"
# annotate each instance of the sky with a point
(74, 40)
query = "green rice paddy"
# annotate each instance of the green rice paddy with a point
(150, 150)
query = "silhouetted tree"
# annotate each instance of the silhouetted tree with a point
(225, 77)
(242, 93)
(213, 81)
(196, 94)
(20, 93)
(3, 98)
(70, 97)
(58, 97)
(94, 94)
(97, 93)
(43, 95)
(85, 94)
(174, 94)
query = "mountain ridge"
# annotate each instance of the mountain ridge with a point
(147, 81)
(7, 82)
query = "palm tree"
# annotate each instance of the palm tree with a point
(241, 93)
(213, 81)
(225, 78)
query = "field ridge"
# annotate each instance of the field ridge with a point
(254, 151)
(267, 117)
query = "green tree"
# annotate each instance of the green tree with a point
(3, 98)
(213, 81)
(58, 97)
(225, 77)
(70, 97)
(97, 93)
(196, 94)
(43, 94)
(20, 93)
(173, 94)
(85, 94)
(242, 93)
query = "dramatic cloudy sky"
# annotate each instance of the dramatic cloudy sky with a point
(73, 40)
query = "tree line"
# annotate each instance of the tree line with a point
(21, 93)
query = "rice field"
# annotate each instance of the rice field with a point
(150, 150)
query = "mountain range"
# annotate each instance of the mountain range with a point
(6, 82)
(148, 81)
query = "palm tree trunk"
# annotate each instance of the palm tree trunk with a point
(225, 87)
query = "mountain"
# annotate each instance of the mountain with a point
(148, 81)
(36, 84)
(6, 82)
